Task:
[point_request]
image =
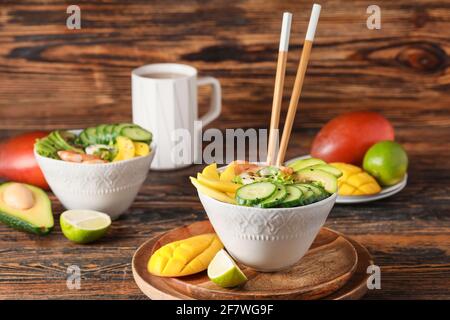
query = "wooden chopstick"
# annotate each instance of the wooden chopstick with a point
(298, 84)
(279, 84)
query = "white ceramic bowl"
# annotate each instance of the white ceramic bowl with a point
(107, 187)
(267, 239)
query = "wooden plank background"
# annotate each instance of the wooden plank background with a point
(52, 77)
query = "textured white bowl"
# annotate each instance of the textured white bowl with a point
(267, 239)
(108, 187)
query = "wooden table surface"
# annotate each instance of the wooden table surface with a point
(51, 77)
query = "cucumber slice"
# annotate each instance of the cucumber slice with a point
(109, 133)
(275, 199)
(136, 133)
(91, 135)
(119, 127)
(307, 194)
(319, 192)
(84, 139)
(254, 193)
(100, 133)
(293, 199)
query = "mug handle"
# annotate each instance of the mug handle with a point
(216, 99)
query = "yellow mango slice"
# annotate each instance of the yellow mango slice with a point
(211, 172)
(218, 195)
(228, 174)
(141, 149)
(184, 257)
(223, 186)
(355, 181)
(125, 149)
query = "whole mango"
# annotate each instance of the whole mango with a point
(347, 137)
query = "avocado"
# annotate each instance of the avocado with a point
(304, 163)
(327, 180)
(327, 168)
(58, 138)
(38, 219)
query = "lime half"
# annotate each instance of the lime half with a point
(224, 272)
(84, 226)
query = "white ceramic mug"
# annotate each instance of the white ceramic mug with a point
(164, 101)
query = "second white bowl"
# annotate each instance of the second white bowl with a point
(108, 187)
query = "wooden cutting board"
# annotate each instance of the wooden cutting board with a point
(326, 268)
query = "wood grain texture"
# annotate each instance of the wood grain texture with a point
(329, 264)
(51, 77)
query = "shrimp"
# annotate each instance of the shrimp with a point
(72, 156)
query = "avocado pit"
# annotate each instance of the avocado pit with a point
(18, 196)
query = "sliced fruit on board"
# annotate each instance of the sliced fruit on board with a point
(184, 257)
(327, 180)
(210, 172)
(223, 186)
(84, 226)
(37, 218)
(224, 272)
(210, 192)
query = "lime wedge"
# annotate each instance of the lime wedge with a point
(84, 226)
(224, 272)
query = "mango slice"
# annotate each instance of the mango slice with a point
(141, 149)
(355, 181)
(184, 257)
(125, 149)
(223, 186)
(228, 174)
(210, 192)
(210, 172)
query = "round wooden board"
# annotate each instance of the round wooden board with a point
(334, 267)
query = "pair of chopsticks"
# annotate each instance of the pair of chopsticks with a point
(298, 84)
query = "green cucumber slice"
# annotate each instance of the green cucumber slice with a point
(254, 193)
(136, 133)
(293, 199)
(307, 194)
(109, 133)
(100, 133)
(319, 192)
(119, 127)
(275, 199)
(91, 135)
(84, 139)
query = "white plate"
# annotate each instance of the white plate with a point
(384, 193)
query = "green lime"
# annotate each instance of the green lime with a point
(387, 161)
(84, 226)
(224, 272)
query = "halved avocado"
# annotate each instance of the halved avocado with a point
(38, 219)
(327, 180)
(304, 163)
